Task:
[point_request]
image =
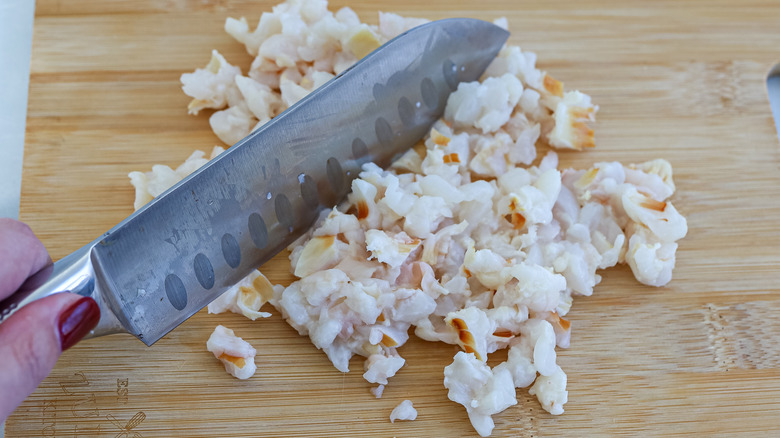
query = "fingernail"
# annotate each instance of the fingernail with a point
(77, 320)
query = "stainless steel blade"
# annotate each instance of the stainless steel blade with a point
(186, 247)
(773, 88)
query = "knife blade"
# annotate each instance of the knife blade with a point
(773, 88)
(183, 249)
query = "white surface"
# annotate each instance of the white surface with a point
(16, 22)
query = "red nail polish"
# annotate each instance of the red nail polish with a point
(77, 320)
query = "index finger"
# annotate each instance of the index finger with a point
(21, 255)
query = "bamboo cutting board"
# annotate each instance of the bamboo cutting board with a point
(683, 80)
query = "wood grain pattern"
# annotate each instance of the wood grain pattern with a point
(683, 80)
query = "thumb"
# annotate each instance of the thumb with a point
(33, 338)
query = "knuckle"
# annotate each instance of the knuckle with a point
(15, 226)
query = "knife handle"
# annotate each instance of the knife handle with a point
(74, 273)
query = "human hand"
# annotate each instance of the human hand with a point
(33, 338)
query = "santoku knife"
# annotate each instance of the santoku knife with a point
(187, 246)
